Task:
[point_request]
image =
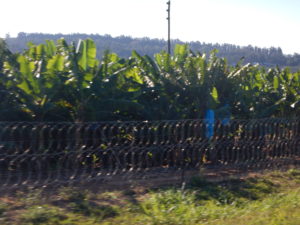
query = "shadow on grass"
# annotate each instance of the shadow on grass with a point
(42, 215)
(234, 190)
(78, 201)
(3, 208)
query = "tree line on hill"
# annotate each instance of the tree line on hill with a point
(123, 45)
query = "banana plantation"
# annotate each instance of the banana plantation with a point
(67, 82)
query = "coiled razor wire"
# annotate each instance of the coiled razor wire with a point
(40, 154)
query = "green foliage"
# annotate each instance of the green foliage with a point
(64, 82)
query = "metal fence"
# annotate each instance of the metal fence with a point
(46, 153)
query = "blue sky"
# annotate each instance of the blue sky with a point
(262, 23)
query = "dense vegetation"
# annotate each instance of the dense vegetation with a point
(64, 82)
(123, 46)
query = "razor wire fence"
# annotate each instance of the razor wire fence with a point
(40, 154)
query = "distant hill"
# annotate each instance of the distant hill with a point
(123, 45)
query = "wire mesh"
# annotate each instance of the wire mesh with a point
(40, 154)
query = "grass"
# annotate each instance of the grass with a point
(177, 208)
(43, 214)
(3, 208)
(272, 199)
(78, 201)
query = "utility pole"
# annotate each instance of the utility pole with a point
(169, 26)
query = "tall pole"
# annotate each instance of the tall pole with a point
(169, 26)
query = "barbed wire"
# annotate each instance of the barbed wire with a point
(40, 154)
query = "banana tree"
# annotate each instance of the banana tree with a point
(103, 90)
(187, 83)
(265, 93)
(37, 81)
(10, 107)
(67, 82)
